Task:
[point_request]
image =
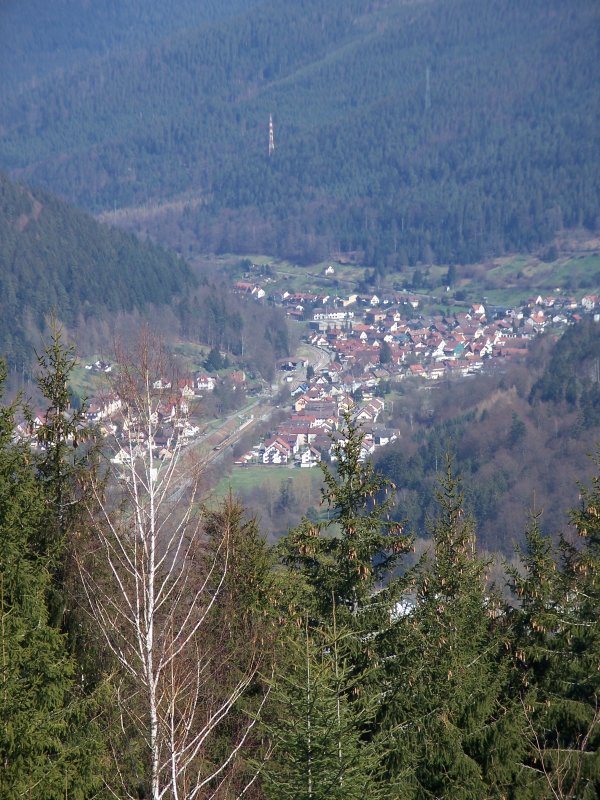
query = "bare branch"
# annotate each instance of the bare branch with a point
(154, 601)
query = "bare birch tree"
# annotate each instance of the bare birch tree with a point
(151, 590)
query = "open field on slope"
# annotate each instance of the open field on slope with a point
(509, 280)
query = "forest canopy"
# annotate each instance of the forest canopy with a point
(54, 258)
(437, 130)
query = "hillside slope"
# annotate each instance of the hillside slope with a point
(521, 438)
(54, 257)
(432, 129)
(41, 40)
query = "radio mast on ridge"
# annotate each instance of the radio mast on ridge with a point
(271, 136)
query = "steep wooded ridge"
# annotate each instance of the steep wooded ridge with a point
(439, 129)
(56, 258)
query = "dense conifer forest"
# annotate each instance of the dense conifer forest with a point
(54, 258)
(68, 33)
(432, 130)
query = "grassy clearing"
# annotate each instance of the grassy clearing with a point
(87, 383)
(580, 270)
(191, 353)
(506, 280)
(243, 479)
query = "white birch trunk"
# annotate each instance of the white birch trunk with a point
(150, 602)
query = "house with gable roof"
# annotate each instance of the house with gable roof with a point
(277, 451)
(205, 383)
(308, 457)
(371, 411)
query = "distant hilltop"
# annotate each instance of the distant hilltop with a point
(446, 131)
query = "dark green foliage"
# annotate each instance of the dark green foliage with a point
(66, 463)
(54, 258)
(318, 728)
(448, 674)
(344, 566)
(385, 353)
(517, 431)
(247, 594)
(64, 438)
(451, 275)
(578, 720)
(338, 566)
(556, 642)
(48, 747)
(66, 34)
(242, 629)
(215, 361)
(498, 154)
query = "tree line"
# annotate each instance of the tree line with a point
(153, 646)
(256, 334)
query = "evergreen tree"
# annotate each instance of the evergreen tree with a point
(556, 655)
(447, 674)
(243, 630)
(385, 353)
(578, 718)
(48, 748)
(530, 627)
(66, 463)
(346, 558)
(62, 462)
(345, 571)
(320, 750)
(215, 361)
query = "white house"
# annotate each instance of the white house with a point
(276, 451)
(205, 383)
(308, 457)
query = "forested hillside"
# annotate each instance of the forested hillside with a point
(521, 439)
(56, 258)
(40, 38)
(439, 129)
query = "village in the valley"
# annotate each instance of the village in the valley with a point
(355, 350)
(371, 342)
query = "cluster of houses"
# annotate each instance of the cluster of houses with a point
(368, 340)
(176, 395)
(170, 417)
(389, 336)
(312, 431)
(171, 424)
(385, 344)
(371, 339)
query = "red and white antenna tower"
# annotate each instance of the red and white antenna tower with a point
(271, 136)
